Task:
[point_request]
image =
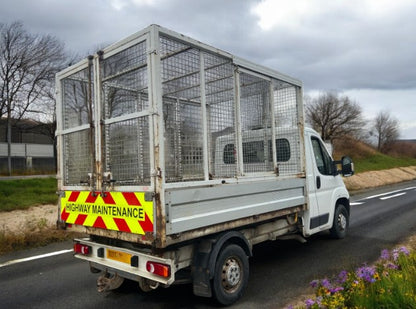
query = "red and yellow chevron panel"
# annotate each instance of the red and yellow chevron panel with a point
(118, 211)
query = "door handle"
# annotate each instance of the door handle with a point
(318, 182)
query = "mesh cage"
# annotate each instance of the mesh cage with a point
(77, 93)
(126, 134)
(286, 114)
(182, 87)
(219, 89)
(219, 119)
(255, 123)
(182, 115)
(128, 151)
(77, 158)
(183, 141)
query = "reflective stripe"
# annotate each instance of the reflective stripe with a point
(118, 211)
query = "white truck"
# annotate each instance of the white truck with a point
(175, 158)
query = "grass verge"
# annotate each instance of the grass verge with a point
(32, 234)
(24, 193)
(380, 161)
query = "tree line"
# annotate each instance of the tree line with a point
(29, 62)
(335, 117)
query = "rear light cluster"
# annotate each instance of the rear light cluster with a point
(159, 269)
(82, 249)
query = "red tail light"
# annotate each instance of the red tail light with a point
(82, 249)
(158, 269)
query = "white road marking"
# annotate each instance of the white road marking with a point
(392, 196)
(36, 257)
(388, 193)
(384, 196)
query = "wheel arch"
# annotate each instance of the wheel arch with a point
(205, 258)
(233, 237)
(344, 201)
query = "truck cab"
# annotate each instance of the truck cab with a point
(328, 198)
(325, 189)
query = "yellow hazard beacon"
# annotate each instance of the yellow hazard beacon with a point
(175, 158)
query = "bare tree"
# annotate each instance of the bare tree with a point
(28, 64)
(386, 129)
(334, 116)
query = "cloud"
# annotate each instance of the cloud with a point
(329, 45)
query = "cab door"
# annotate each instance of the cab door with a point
(322, 185)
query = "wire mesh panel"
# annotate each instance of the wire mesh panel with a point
(182, 115)
(128, 151)
(125, 92)
(286, 116)
(255, 123)
(219, 89)
(77, 95)
(77, 158)
(183, 141)
(77, 110)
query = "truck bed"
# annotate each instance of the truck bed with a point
(162, 139)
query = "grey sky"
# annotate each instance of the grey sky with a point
(365, 49)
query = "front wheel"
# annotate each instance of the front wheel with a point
(231, 274)
(341, 222)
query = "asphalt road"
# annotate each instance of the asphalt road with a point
(279, 271)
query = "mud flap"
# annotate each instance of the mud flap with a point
(200, 270)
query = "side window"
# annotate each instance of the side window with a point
(323, 160)
(229, 154)
(253, 152)
(282, 150)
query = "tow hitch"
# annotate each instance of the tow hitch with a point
(107, 282)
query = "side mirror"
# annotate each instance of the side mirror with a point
(347, 167)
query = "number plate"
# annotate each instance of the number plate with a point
(119, 256)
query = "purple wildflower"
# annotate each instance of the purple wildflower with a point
(385, 255)
(404, 251)
(326, 284)
(397, 252)
(314, 283)
(342, 277)
(309, 303)
(392, 266)
(336, 289)
(366, 273)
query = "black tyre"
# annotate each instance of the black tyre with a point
(341, 222)
(231, 274)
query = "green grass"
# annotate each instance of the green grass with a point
(24, 193)
(381, 162)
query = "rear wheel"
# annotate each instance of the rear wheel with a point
(341, 222)
(231, 274)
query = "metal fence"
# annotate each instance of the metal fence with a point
(27, 157)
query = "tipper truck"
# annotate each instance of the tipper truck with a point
(175, 158)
